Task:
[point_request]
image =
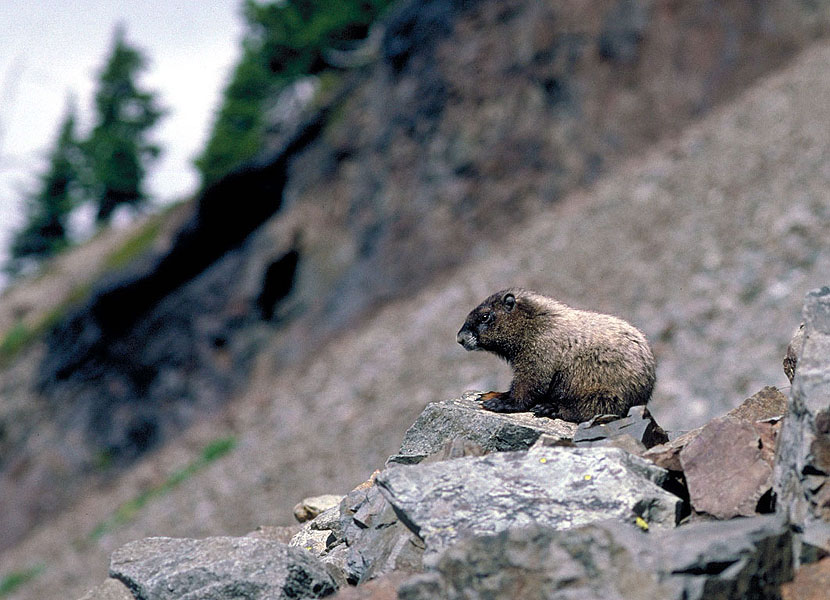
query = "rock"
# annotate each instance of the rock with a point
(803, 455)
(111, 589)
(378, 543)
(311, 540)
(742, 558)
(382, 588)
(767, 404)
(276, 533)
(218, 568)
(537, 562)
(811, 582)
(639, 425)
(739, 558)
(727, 470)
(311, 507)
(558, 487)
(464, 418)
(793, 352)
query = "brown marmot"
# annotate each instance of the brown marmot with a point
(567, 363)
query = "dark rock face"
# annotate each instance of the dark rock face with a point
(558, 487)
(802, 472)
(218, 569)
(737, 559)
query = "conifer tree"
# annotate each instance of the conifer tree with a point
(118, 149)
(47, 210)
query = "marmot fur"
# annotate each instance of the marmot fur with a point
(567, 363)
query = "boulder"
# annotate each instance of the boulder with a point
(802, 460)
(219, 568)
(742, 558)
(559, 487)
(464, 418)
(767, 405)
(728, 467)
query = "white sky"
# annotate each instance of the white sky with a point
(52, 48)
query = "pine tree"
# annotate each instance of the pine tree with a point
(47, 211)
(118, 149)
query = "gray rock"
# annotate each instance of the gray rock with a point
(638, 424)
(739, 558)
(558, 487)
(743, 558)
(312, 540)
(803, 455)
(218, 568)
(537, 562)
(321, 533)
(378, 543)
(441, 422)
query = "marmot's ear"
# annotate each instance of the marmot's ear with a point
(509, 302)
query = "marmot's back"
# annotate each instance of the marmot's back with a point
(568, 363)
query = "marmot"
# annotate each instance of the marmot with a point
(567, 363)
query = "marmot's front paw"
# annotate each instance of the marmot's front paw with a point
(498, 402)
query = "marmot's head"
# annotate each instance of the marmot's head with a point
(498, 324)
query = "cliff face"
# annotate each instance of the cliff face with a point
(474, 116)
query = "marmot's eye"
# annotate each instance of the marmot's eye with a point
(487, 317)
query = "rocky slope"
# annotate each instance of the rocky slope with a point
(474, 116)
(477, 504)
(707, 242)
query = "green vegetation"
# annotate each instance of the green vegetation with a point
(128, 511)
(13, 580)
(286, 40)
(134, 246)
(15, 339)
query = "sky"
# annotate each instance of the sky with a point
(50, 49)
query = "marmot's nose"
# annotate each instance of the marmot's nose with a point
(466, 339)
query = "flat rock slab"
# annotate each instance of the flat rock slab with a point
(218, 568)
(441, 422)
(743, 558)
(728, 468)
(558, 487)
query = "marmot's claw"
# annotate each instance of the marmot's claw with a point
(472, 395)
(545, 410)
